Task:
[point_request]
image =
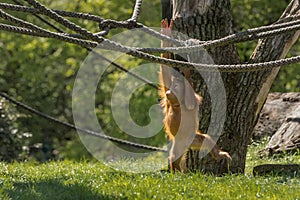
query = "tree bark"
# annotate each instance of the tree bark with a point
(245, 92)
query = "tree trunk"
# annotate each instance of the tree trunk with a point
(245, 92)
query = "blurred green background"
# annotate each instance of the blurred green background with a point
(41, 72)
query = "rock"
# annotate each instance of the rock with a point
(280, 120)
(274, 113)
(287, 137)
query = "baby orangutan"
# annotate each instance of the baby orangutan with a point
(181, 124)
(181, 107)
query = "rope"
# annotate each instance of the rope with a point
(129, 25)
(136, 10)
(130, 51)
(42, 32)
(125, 70)
(110, 23)
(11, 18)
(86, 131)
(233, 68)
(22, 23)
(64, 22)
(15, 29)
(40, 18)
(238, 37)
(31, 29)
(48, 34)
(110, 45)
(249, 35)
(202, 67)
(175, 63)
(60, 12)
(179, 64)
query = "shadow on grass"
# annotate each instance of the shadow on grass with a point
(292, 170)
(54, 189)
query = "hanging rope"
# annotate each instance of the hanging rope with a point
(83, 130)
(130, 51)
(107, 44)
(247, 35)
(60, 12)
(58, 36)
(238, 37)
(40, 18)
(125, 70)
(90, 40)
(136, 10)
(175, 63)
(102, 23)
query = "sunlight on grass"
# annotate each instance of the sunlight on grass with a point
(253, 158)
(93, 180)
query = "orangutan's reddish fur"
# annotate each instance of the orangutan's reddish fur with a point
(181, 107)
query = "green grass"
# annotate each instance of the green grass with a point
(93, 180)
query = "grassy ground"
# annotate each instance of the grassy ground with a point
(93, 180)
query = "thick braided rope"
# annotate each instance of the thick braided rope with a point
(111, 23)
(209, 67)
(238, 37)
(15, 29)
(42, 19)
(37, 31)
(44, 33)
(86, 131)
(179, 64)
(29, 25)
(22, 23)
(64, 22)
(288, 18)
(48, 12)
(234, 38)
(107, 44)
(175, 63)
(71, 25)
(251, 35)
(60, 12)
(233, 68)
(136, 10)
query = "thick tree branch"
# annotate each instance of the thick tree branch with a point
(275, 47)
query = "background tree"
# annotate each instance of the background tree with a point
(14, 139)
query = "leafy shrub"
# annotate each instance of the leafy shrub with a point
(13, 141)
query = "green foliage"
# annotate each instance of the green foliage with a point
(90, 180)
(41, 72)
(253, 158)
(250, 14)
(13, 139)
